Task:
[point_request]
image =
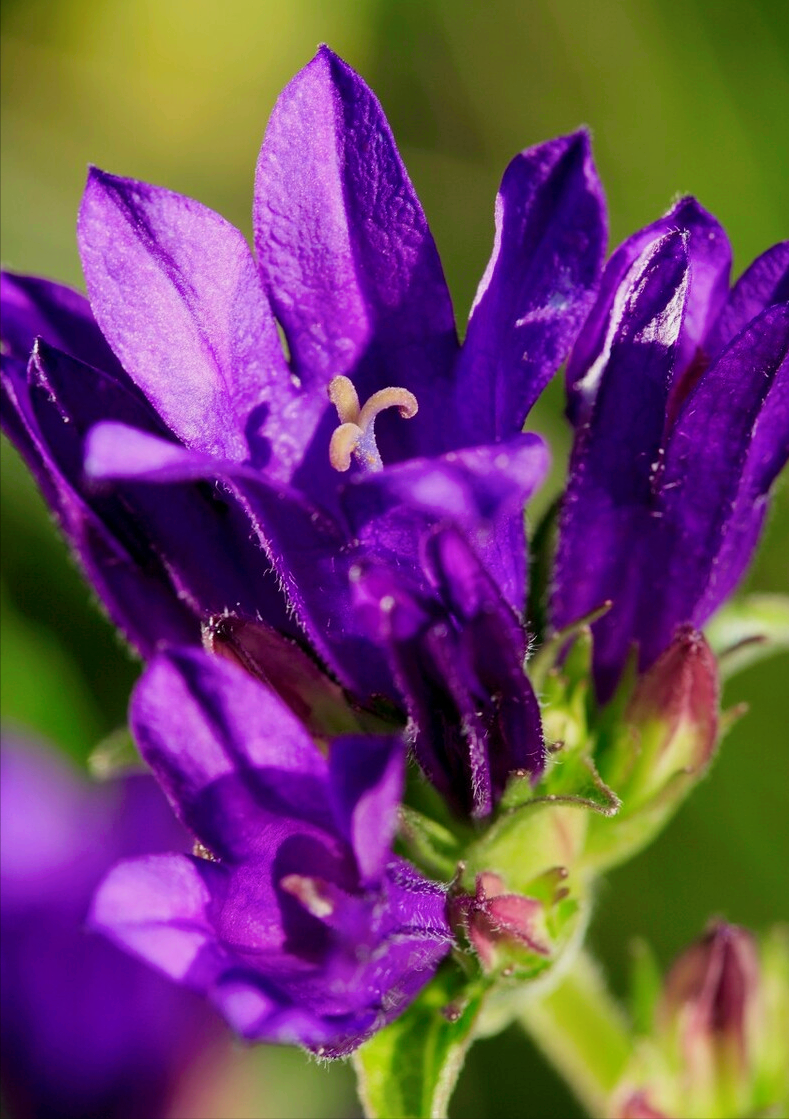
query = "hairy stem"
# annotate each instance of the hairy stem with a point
(582, 1031)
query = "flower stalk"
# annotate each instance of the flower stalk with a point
(581, 1030)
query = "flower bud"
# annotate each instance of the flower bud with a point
(638, 1106)
(719, 1044)
(662, 747)
(710, 1006)
(498, 922)
(674, 716)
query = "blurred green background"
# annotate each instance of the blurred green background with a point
(681, 95)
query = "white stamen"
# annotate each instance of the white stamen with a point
(356, 433)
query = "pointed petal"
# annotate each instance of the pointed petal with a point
(346, 254)
(763, 284)
(725, 451)
(202, 541)
(495, 646)
(310, 554)
(230, 755)
(367, 776)
(482, 489)
(158, 907)
(537, 288)
(608, 502)
(33, 307)
(130, 577)
(709, 261)
(176, 292)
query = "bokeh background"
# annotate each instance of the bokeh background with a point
(681, 95)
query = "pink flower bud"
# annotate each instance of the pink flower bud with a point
(674, 713)
(710, 1000)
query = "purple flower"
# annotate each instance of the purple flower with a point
(679, 390)
(86, 1030)
(298, 923)
(458, 655)
(174, 373)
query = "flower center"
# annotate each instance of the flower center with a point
(356, 433)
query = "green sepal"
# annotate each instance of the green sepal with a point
(409, 1069)
(117, 753)
(749, 630)
(576, 641)
(610, 843)
(430, 845)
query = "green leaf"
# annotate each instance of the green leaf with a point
(409, 1069)
(748, 630)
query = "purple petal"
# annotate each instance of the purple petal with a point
(709, 262)
(33, 308)
(494, 644)
(346, 254)
(227, 751)
(310, 554)
(724, 453)
(606, 515)
(201, 540)
(174, 904)
(176, 292)
(458, 661)
(367, 777)
(162, 910)
(766, 282)
(481, 489)
(537, 288)
(129, 575)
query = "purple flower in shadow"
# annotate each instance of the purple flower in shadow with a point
(679, 391)
(297, 922)
(86, 1030)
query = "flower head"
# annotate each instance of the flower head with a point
(294, 917)
(86, 1030)
(174, 374)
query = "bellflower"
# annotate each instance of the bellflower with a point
(295, 919)
(174, 373)
(86, 1030)
(679, 391)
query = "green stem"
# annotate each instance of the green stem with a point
(582, 1031)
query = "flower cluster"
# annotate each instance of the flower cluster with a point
(367, 573)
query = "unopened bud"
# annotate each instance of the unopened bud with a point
(710, 1004)
(674, 714)
(718, 1046)
(662, 747)
(638, 1106)
(506, 930)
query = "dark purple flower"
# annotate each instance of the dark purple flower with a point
(174, 375)
(679, 390)
(458, 656)
(298, 923)
(87, 1031)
